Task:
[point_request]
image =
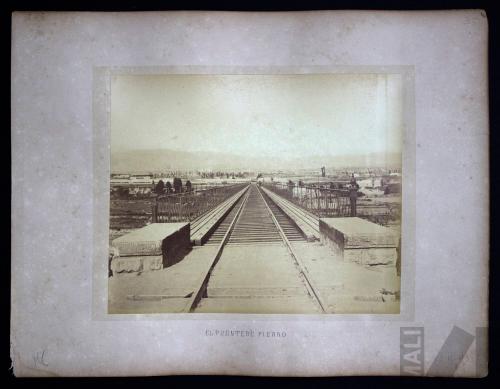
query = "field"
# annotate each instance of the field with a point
(381, 209)
(127, 214)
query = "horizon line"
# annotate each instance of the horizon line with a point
(242, 155)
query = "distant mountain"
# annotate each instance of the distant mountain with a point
(370, 160)
(161, 160)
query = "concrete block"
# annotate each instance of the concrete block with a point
(136, 264)
(371, 256)
(167, 241)
(359, 240)
(154, 239)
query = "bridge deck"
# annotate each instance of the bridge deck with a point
(256, 272)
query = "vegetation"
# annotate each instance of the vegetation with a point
(160, 187)
(177, 185)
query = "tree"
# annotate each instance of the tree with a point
(177, 185)
(168, 187)
(188, 186)
(160, 186)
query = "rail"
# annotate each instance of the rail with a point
(187, 206)
(200, 291)
(311, 289)
(322, 202)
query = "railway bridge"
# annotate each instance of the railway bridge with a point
(252, 249)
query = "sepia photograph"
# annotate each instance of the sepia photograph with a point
(273, 194)
(276, 193)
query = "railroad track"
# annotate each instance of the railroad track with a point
(254, 221)
(255, 225)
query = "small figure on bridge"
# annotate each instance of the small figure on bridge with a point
(353, 194)
(353, 183)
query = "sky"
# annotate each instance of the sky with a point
(252, 115)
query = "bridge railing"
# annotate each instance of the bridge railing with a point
(323, 202)
(187, 206)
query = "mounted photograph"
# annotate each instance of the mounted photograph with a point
(256, 193)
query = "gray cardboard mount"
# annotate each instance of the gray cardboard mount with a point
(61, 67)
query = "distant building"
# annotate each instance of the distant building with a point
(132, 180)
(120, 182)
(141, 180)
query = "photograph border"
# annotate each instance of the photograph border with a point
(101, 178)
